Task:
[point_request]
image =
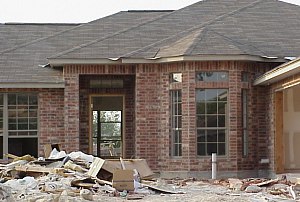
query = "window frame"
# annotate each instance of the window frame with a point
(176, 123)
(245, 122)
(5, 114)
(205, 78)
(216, 128)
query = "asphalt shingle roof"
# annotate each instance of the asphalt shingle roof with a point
(15, 34)
(209, 27)
(247, 27)
(21, 62)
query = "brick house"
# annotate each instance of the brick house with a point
(168, 86)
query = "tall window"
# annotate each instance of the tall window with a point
(245, 121)
(176, 123)
(21, 123)
(211, 121)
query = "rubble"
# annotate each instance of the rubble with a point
(81, 177)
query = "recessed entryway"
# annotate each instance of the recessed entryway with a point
(106, 125)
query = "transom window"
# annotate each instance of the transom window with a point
(175, 77)
(212, 76)
(211, 116)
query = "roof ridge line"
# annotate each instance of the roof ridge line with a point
(234, 42)
(106, 37)
(50, 36)
(37, 40)
(196, 27)
(117, 33)
(197, 39)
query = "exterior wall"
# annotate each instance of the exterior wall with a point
(51, 115)
(271, 118)
(51, 119)
(153, 114)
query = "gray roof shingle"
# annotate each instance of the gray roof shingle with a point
(209, 27)
(21, 62)
(248, 27)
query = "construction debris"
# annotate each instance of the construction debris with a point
(81, 177)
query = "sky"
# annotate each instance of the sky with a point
(80, 11)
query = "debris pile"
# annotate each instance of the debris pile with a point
(80, 177)
(280, 187)
(75, 177)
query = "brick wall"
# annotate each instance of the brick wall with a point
(51, 118)
(153, 114)
(51, 115)
(64, 113)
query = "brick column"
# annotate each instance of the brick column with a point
(71, 109)
(147, 114)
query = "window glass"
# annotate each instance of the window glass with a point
(211, 116)
(221, 76)
(245, 76)
(175, 77)
(176, 123)
(245, 121)
(22, 114)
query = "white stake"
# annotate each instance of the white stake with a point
(213, 166)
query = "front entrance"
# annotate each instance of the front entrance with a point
(106, 135)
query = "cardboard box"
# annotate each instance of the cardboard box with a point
(140, 165)
(123, 180)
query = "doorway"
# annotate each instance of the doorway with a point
(106, 134)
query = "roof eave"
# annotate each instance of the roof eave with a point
(54, 62)
(281, 72)
(70, 61)
(34, 85)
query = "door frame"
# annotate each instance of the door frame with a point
(91, 96)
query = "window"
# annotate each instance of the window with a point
(245, 121)
(245, 77)
(211, 114)
(212, 76)
(175, 77)
(176, 123)
(106, 83)
(19, 127)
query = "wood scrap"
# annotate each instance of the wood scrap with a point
(30, 168)
(95, 167)
(268, 182)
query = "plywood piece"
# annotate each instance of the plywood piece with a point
(296, 98)
(36, 169)
(95, 167)
(279, 152)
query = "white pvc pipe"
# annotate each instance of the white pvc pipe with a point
(213, 166)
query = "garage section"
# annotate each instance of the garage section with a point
(291, 128)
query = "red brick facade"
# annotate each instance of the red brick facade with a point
(64, 113)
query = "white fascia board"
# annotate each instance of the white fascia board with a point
(32, 85)
(202, 58)
(61, 62)
(281, 72)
